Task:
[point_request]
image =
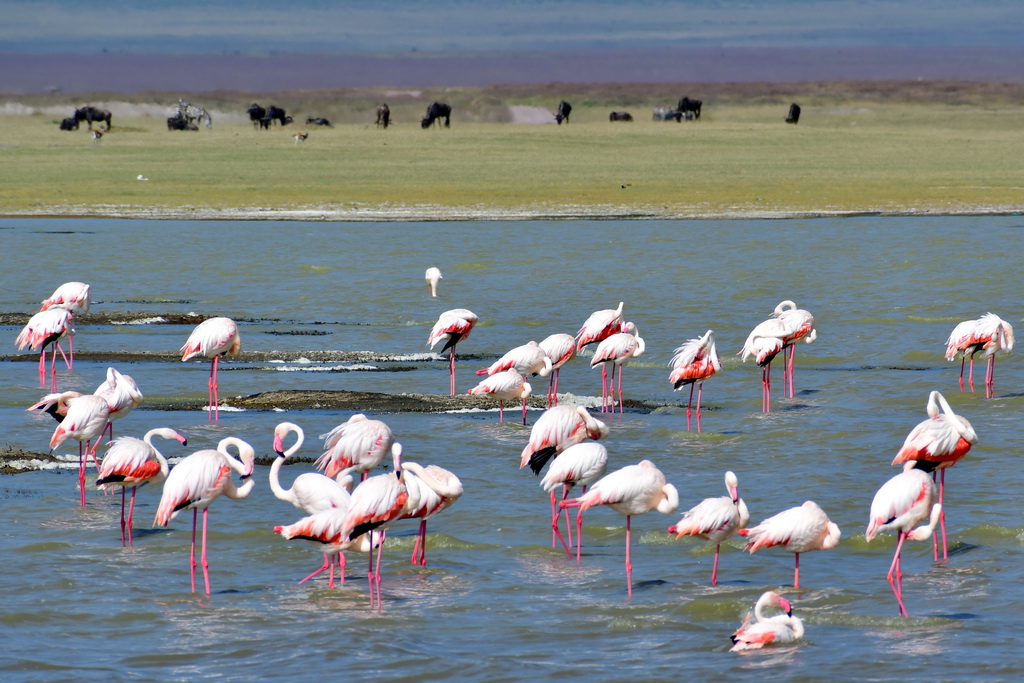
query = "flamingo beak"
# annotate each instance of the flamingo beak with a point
(784, 604)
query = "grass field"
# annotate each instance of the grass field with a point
(845, 156)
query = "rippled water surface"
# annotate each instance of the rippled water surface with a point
(496, 602)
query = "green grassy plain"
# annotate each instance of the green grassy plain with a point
(845, 156)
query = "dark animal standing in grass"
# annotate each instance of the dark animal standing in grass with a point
(276, 113)
(384, 116)
(620, 116)
(436, 111)
(90, 114)
(318, 122)
(688, 105)
(178, 122)
(794, 113)
(256, 114)
(564, 109)
(70, 123)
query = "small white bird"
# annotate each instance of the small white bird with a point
(432, 276)
(141, 177)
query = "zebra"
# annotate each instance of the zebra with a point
(191, 112)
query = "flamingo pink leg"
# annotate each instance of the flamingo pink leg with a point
(796, 571)
(629, 564)
(451, 369)
(714, 567)
(204, 562)
(791, 354)
(501, 410)
(621, 368)
(897, 583)
(963, 361)
(688, 404)
(213, 406)
(325, 566)
(122, 512)
(82, 455)
(700, 391)
(192, 551)
(970, 374)
(990, 378)
(555, 531)
(131, 516)
(524, 410)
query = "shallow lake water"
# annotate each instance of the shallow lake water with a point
(496, 602)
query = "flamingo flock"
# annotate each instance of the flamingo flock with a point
(564, 438)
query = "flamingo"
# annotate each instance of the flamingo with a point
(555, 430)
(787, 325)
(376, 504)
(507, 385)
(798, 530)
(777, 630)
(616, 350)
(432, 276)
(213, 338)
(599, 326)
(359, 444)
(583, 464)
(989, 333)
(632, 490)
(122, 395)
(715, 519)
(310, 492)
(899, 505)
(438, 490)
(75, 297)
(528, 359)
(43, 329)
(197, 481)
(560, 348)
(694, 362)
(452, 327)
(131, 463)
(324, 528)
(85, 418)
(937, 444)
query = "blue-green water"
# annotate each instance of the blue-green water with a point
(495, 601)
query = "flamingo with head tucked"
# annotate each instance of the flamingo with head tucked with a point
(583, 464)
(560, 348)
(599, 326)
(122, 395)
(507, 385)
(990, 334)
(213, 338)
(75, 297)
(47, 328)
(616, 350)
(438, 490)
(555, 430)
(715, 519)
(798, 530)
(452, 327)
(787, 325)
(359, 445)
(694, 362)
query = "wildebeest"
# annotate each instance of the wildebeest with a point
(436, 111)
(564, 109)
(256, 114)
(620, 116)
(89, 114)
(383, 116)
(275, 113)
(179, 122)
(686, 104)
(794, 113)
(319, 121)
(70, 123)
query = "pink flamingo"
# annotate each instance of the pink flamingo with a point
(75, 297)
(84, 420)
(324, 528)
(507, 385)
(555, 430)
(599, 326)
(131, 463)
(694, 362)
(616, 350)
(376, 504)
(798, 530)
(937, 444)
(901, 503)
(358, 445)
(780, 629)
(438, 490)
(452, 327)
(528, 359)
(43, 329)
(989, 333)
(715, 519)
(122, 395)
(787, 325)
(310, 492)
(432, 276)
(632, 490)
(197, 481)
(213, 338)
(560, 348)
(583, 464)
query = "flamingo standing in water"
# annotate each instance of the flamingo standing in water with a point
(310, 492)
(560, 348)
(75, 297)
(715, 519)
(213, 338)
(358, 445)
(197, 481)
(989, 333)
(432, 276)
(787, 325)
(82, 417)
(583, 464)
(438, 490)
(694, 362)
(122, 395)
(937, 444)
(599, 326)
(131, 463)
(798, 530)
(780, 629)
(632, 490)
(555, 430)
(528, 359)
(901, 503)
(616, 350)
(507, 385)
(452, 327)
(324, 528)
(43, 329)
